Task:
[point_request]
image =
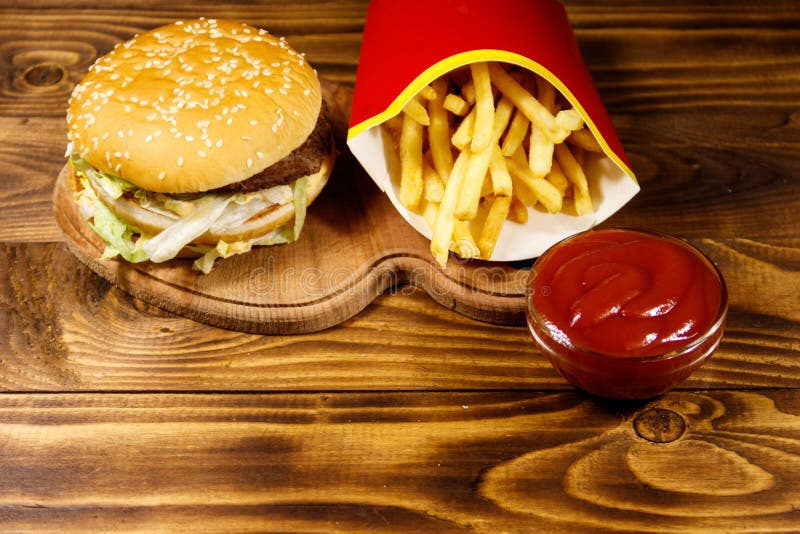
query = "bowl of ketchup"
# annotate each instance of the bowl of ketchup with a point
(625, 313)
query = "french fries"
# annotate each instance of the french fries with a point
(486, 144)
(411, 161)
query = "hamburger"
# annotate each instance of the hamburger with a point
(201, 138)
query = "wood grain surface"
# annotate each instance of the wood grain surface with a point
(446, 462)
(116, 416)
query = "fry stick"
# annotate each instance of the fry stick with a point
(433, 187)
(523, 192)
(416, 111)
(445, 220)
(540, 152)
(545, 192)
(540, 148)
(516, 133)
(428, 92)
(492, 226)
(546, 94)
(557, 178)
(439, 132)
(410, 162)
(484, 106)
(456, 105)
(469, 199)
(429, 213)
(501, 180)
(486, 187)
(525, 101)
(584, 139)
(583, 202)
(572, 170)
(468, 92)
(569, 119)
(463, 243)
(517, 211)
(463, 134)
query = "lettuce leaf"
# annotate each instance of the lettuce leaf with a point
(118, 236)
(300, 205)
(113, 185)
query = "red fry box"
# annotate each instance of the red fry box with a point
(409, 44)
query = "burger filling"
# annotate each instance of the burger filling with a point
(141, 225)
(302, 161)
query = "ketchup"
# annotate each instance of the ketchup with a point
(626, 313)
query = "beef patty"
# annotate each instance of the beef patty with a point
(302, 161)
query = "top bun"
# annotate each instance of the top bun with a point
(194, 105)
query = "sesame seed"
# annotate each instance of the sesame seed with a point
(201, 153)
(260, 155)
(180, 161)
(189, 138)
(249, 162)
(219, 143)
(117, 154)
(162, 175)
(148, 138)
(253, 122)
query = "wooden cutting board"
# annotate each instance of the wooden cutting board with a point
(354, 247)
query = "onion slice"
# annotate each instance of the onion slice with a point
(168, 243)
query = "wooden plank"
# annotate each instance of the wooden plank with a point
(65, 329)
(717, 129)
(700, 462)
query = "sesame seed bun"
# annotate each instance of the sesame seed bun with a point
(194, 106)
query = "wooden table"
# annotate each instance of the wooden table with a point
(116, 416)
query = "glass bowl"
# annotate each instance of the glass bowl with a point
(599, 359)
